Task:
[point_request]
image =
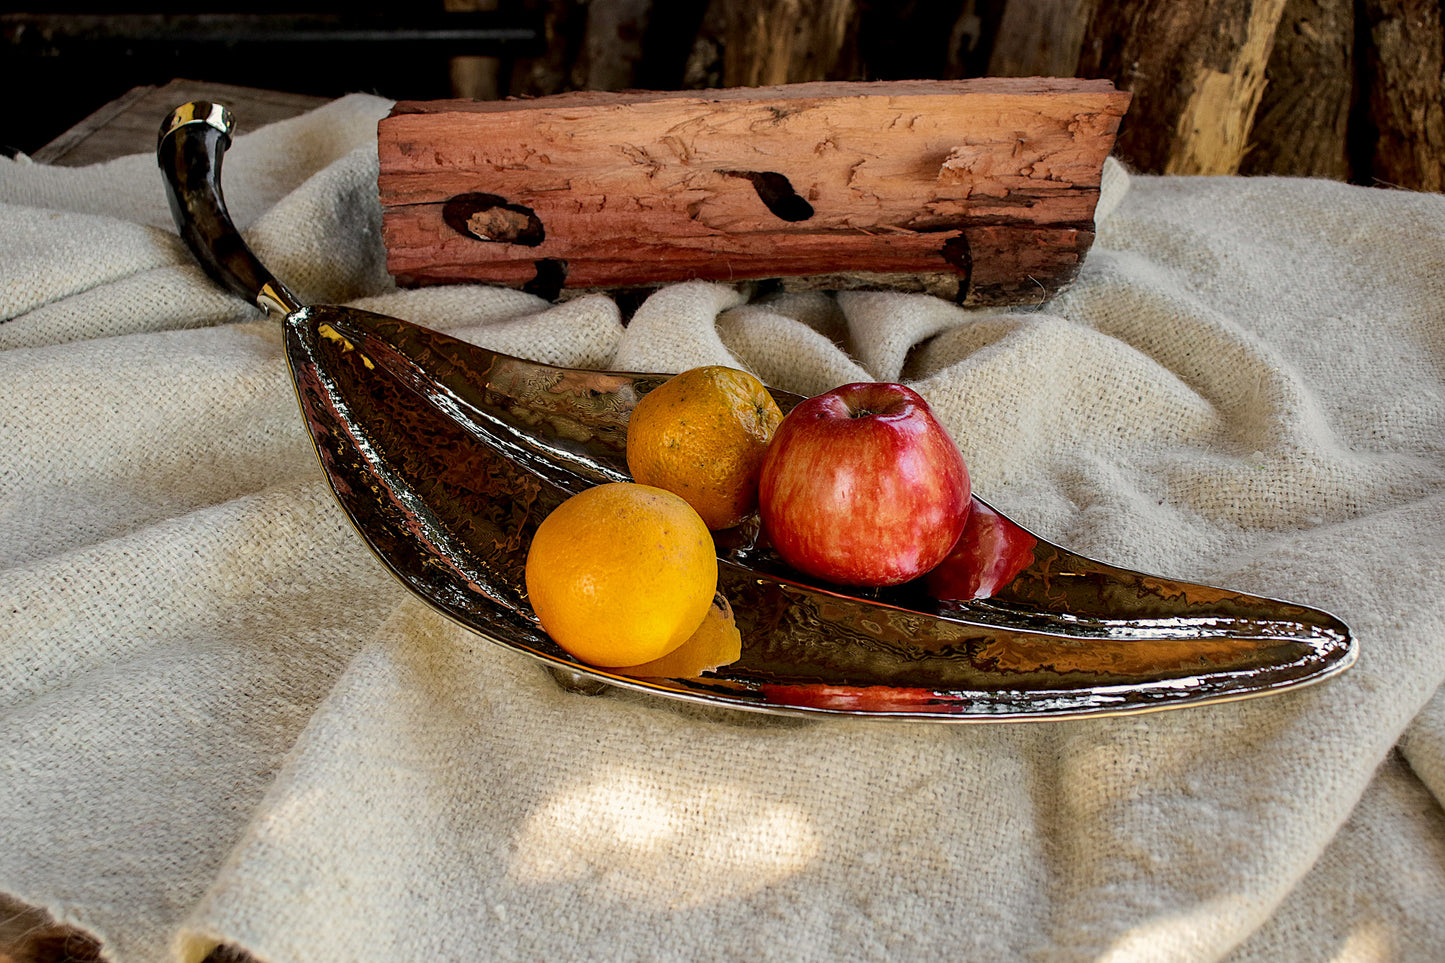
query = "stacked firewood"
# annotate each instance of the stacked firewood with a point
(1345, 89)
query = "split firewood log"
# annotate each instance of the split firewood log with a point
(978, 190)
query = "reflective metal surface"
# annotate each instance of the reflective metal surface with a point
(446, 456)
(199, 112)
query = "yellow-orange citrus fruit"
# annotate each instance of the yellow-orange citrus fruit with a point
(716, 643)
(621, 574)
(703, 434)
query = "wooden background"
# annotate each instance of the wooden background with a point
(1344, 89)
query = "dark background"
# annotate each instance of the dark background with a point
(55, 77)
(1345, 89)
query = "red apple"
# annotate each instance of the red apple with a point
(862, 486)
(990, 553)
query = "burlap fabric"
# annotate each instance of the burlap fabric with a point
(222, 722)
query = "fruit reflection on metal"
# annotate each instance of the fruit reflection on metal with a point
(447, 456)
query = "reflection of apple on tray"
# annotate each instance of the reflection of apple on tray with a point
(447, 457)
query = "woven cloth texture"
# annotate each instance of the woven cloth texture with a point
(221, 721)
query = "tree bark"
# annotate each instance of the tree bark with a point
(612, 48)
(980, 190)
(1302, 126)
(476, 78)
(1197, 72)
(1403, 76)
(943, 39)
(1040, 38)
(768, 42)
(564, 23)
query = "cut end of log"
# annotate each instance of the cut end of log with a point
(982, 191)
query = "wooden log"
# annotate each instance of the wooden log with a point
(1040, 38)
(1302, 126)
(978, 190)
(1197, 72)
(1406, 104)
(770, 42)
(675, 34)
(474, 77)
(560, 66)
(942, 39)
(612, 44)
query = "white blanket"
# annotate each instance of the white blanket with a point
(222, 722)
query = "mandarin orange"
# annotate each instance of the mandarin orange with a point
(621, 574)
(702, 434)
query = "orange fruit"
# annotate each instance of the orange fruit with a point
(702, 434)
(621, 574)
(716, 643)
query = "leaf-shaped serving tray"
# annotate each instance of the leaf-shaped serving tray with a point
(446, 456)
